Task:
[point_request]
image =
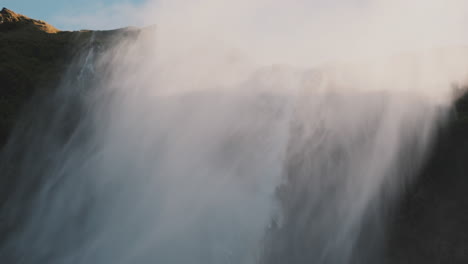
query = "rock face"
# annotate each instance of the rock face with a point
(431, 223)
(33, 54)
(33, 57)
(10, 20)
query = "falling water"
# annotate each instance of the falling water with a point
(148, 153)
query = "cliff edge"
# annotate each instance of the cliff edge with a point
(34, 56)
(10, 20)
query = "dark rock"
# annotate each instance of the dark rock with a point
(33, 57)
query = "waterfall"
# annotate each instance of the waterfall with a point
(147, 155)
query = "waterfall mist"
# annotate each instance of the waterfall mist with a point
(184, 145)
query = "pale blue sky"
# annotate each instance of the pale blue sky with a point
(57, 12)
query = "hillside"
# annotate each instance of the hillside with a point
(33, 56)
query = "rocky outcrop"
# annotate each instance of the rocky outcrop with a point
(10, 20)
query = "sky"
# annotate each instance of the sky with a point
(77, 14)
(292, 31)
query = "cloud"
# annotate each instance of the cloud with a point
(298, 32)
(295, 32)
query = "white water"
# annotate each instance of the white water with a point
(191, 153)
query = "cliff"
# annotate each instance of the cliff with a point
(431, 220)
(33, 56)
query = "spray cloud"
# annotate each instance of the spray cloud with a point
(194, 149)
